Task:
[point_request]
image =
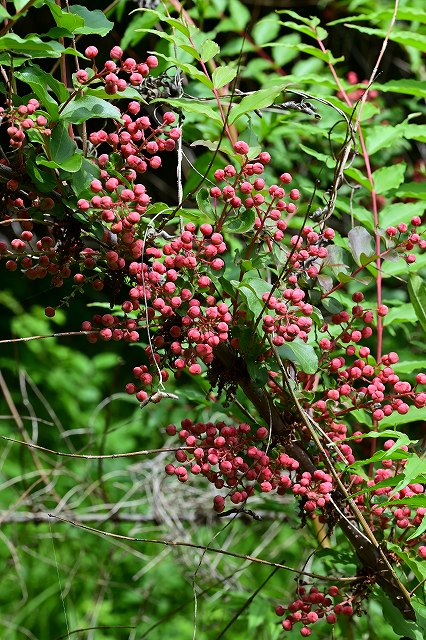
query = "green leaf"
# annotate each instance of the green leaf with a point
(65, 19)
(43, 180)
(414, 466)
(402, 313)
(412, 190)
(192, 106)
(95, 21)
(393, 214)
(83, 108)
(129, 92)
(257, 372)
(61, 147)
(188, 49)
(312, 22)
(421, 528)
(187, 68)
(388, 178)
(158, 207)
(252, 289)
(301, 354)
(32, 45)
(81, 179)
(204, 203)
(71, 165)
(242, 222)
(402, 627)
(359, 176)
(176, 40)
(408, 366)
(19, 4)
(266, 29)
(309, 49)
(420, 609)
(134, 31)
(209, 50)
(381, 137)
(406, 38)
(389, 433)
(240, 15)
(222, 76)
(395, 419)
(257, 100)
(410, 87)
(332, 306)
(173, 22)
(39, 81)
(59, 32)
(4, 13)
(417, 567)
(410, 39)
(418, 500)
(336, 261)
(318, 32)
(415, 132)
(417, 293)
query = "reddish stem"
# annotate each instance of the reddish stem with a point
(373, 199)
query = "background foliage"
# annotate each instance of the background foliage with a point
(68, 395)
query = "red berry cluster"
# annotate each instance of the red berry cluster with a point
(246, 189)
(137, 140)
(313, 606)
(20, 120)
(136, 72)
(402, 239)
(230, 458)
(226, 455)
(291, 316)
(355, 380)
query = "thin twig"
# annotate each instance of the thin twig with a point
(178, 543)
(130, 454)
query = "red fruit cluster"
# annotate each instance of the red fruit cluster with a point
(245, 189)
(137, 140)
(313, 606)
(20, 120)
(109, 74)
(315, 490)
(402, 239)
(230, 457)
(355, 380)
(226, 455)
(291, 316)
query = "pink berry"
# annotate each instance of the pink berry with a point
(152, 62)
(194, 369)
(91, 52)
(241, 147)
(116, 53)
